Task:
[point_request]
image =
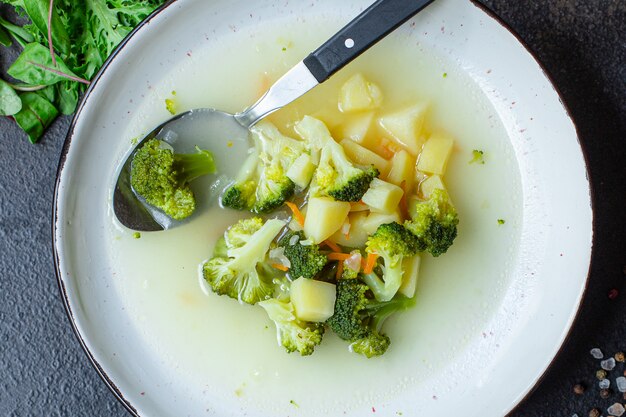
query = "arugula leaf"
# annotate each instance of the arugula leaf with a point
(10, 102)
(37, 11)
(21, 35)
(30, 66)
(36, 115)
(49, 93)
(84, 33)
(67, 97)
(5, 39)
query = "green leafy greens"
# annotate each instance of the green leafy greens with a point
(51, 77)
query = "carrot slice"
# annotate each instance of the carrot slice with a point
(339, 270)
(369, 264)
(332, 245)
(280, 267)
(297, 214)
(337, 256)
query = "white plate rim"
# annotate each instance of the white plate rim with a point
(163, 8)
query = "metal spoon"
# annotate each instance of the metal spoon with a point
(365, 30)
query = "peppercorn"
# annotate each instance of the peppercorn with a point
(601, 374)
(579, 389)
(604, 393)
(594, 412)
(620, 357)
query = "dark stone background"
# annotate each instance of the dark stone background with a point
(582, 43)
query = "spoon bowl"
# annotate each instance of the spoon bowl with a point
(182, 132)
(214, 126)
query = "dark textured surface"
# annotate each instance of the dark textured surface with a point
(582, 44)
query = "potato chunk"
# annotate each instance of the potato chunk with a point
(411, 268)
(371, 223)
(405, 126)
(301, 171)
(382, 196)
(435, 154)
(430, 184)
(357, 235)
(324, 217)
(363, 156)
(358, 94)
(313, 301)
(356, 128)
(402, 169)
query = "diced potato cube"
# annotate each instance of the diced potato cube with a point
(324, 217)
(382, 196)
(363, 156)
(371, 223)
(355, 128)
(301, 171)
(405, 126)
(358, 94)
(402, 170)
(435, 154)
(430, 184)
(357, 236)
(313, 300)
(411, 268)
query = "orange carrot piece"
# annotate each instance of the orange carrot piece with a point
(337, 256)
(280, 267)
(339, 270)
(297, 214)
(332, 245)
(369, 264)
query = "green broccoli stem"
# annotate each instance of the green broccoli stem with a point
(195, 165)
(384, 291)
(381, 311)
(254, 251)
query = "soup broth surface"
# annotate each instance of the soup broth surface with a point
(226, 350)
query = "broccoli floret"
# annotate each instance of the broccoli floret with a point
(374, 344)
(338, 178)
(162, 177)
(360, 319)
(240, 195)
(244, 273)
(350, 319)
(262, 184)
(306, 261)
(293, 334)
(434, 222)
(336, 175)
(392, 242)
(349, 273)
(239, 234)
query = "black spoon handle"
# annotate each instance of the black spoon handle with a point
(365, 30)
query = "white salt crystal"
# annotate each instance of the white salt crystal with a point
(608, 364)
(596, 353)
(621, 384)
(604, 384)
(616, 410)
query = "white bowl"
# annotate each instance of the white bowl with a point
(490, 375)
